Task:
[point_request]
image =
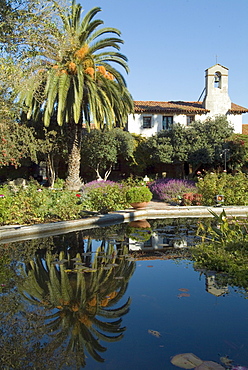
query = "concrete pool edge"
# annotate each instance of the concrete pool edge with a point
(11, 233)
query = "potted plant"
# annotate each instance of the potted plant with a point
(138, 196)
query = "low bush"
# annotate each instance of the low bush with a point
(34, 204)
(59, 183)
(104, 197)
(192, 199)
(138, 194)
(172, 190)
(234, 188)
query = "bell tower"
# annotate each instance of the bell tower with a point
(216, 99)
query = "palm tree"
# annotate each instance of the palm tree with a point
(75, 81)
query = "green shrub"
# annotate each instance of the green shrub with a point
(105, 199)
(59, 183)
(34, 204)
(138, 194)
(234, 188)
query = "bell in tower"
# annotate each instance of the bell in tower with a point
(216, 99)
(217, 79)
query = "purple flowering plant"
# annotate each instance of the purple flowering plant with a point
(171, 190)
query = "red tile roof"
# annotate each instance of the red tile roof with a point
(179, 107)
(237, 109)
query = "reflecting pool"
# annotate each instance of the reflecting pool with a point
(123, 296)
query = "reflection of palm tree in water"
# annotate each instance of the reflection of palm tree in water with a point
(81, 289)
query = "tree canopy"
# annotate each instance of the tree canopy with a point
(197, 144)
(101, 150)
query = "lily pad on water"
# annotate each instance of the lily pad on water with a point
(186, 360)
(209, 365)
(155, 333)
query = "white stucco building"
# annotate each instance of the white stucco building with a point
(153, 116)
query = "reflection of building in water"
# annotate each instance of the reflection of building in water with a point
(158, 242)
(212, 286)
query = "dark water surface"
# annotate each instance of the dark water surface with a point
(101, 299)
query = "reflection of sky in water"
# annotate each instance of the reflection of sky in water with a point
(202, 323)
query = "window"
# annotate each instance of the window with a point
(147, 122)
(190, 119)
(167, 122)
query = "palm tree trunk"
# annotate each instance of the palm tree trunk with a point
(73, 180)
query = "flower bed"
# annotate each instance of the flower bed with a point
(172, 190)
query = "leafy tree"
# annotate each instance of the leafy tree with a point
(75, 80)
(100, 150)
(139, 165)
(16, 142)
(208, 141)
(197, 144)
(201, 142)
(237, 152)
(155, 149)
(180, 141)
(51, 146)
(22, 22)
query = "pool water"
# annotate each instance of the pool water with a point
(86, 301)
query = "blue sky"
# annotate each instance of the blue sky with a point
(170, 44)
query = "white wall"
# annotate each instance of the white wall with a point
(135, 123)
(236, 120)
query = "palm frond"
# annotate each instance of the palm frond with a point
(88, 17)
(78, 84)
(102, 31)
(111, 42)
(64, 84)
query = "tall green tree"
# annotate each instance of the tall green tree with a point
(237, 152)
(75, 80)
(101, 150)
(201, 143)
(22, 24)
(151, 151)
